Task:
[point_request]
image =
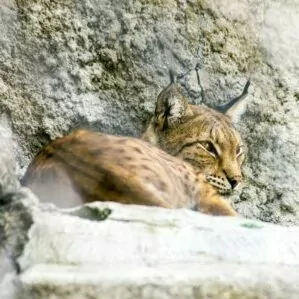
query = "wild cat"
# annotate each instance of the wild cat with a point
(187, 156)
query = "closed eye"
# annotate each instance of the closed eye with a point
(209, 147)
(205, 145)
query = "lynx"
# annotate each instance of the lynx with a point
(188, 156)
(199, 135)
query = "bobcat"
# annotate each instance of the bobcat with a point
(187, 154)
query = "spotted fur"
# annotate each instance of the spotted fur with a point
(89, 166)
(187, 153)
(199, 135)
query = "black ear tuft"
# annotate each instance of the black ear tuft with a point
(227, 108)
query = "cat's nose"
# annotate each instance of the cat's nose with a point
(235, 181)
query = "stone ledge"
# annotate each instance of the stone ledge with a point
(169, 253)
(205, 280)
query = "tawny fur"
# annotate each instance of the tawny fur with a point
(95, 166)
(199, 135)
(199, 148)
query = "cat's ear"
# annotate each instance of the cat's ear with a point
(171, 106)
(234, 107)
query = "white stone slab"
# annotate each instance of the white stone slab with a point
(164, 251)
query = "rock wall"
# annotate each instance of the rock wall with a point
(101, 64)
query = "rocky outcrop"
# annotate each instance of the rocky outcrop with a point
(108, 250)
(67, 64)
(15, 218)
(100, 64)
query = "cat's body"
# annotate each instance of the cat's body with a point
(200, 149)
(95, 166)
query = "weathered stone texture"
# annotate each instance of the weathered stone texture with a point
(101, 64)
(143, 252)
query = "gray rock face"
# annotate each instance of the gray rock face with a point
(8, 180)
(14, 217)
(15, 221)
(101, 64)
